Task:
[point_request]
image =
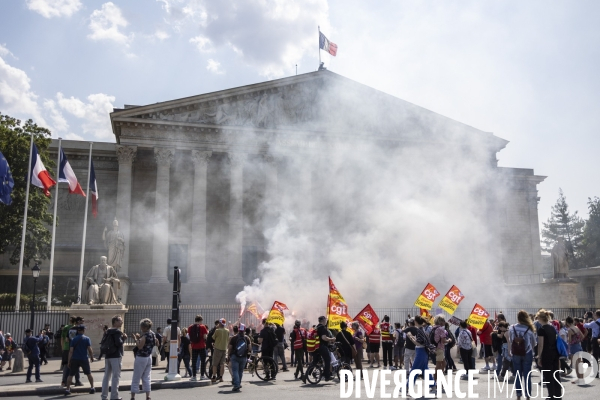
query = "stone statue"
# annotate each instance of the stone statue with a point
(114, 242)
(103, 284)
(560, 259)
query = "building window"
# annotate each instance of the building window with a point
(590, 294)
(178, 256)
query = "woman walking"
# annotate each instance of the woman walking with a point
(422, 344)
(521, 340)
(142, 366)
(359, 342)
(574, 338)
(548, 357)
(465, 347)
(184, 353)
(452, 342)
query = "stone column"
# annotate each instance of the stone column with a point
(271, 192)
(160, 246)
(236, 218)
(126, 156)
(197, 269)
(306, 209)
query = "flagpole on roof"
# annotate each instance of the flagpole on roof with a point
(87, 196)
(51, 273)
(319, 28)
(20, 278)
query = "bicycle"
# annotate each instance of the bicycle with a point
(264, 367)
(314, 372)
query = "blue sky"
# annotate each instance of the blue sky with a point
(526, 71)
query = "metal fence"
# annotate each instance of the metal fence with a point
(15, 323)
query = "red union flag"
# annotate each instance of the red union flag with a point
(367, 318)
(478, 316)
(451, 300)
(276, 314)
(337, 309)
(427, 297)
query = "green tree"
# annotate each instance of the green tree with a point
(591, 234)
(14, 144)
(569, 226)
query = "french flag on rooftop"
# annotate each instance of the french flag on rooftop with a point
(66, 174)
(94, 190)
(326, 45)
(39, 175)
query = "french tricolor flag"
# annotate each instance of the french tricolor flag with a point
(39, 175)
(66, 174)
(94, 190)
(326, 45)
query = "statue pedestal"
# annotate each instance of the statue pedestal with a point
(95, 317)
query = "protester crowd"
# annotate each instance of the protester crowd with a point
(500, 346)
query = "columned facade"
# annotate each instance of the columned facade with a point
(160, 248)
(236, 217)
(125, 156)
(197, 269)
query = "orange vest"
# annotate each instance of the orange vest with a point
(312, 341)
(386, 336)
(299, 340)
(374, 337)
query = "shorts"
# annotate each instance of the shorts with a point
(574, 348)
(487, 350)
(398, 351)
(6, 356)
(374, 347)
(75, 364)
(368, 348)
(439, 355)
(218, 357)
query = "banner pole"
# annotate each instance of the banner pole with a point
(51, 273)
(20, 277)
(87, 196)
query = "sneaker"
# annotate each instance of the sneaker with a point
(39, 380)
(9, 368)
(92, 390)
(236, 389)
(303, 378)
(213, 380)
(67, 392)
(220, 379)
(486, 368)
(78, 383)
(464, 378)
(203, 378)
(28, 381)
(192, 379)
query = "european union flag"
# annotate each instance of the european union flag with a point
(6, 181)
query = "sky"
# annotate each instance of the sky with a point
(526, 71)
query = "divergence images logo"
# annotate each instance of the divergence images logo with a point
(591, 372)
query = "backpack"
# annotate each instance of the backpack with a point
(561, 346)
(453, 342)
(400, 341)
(209, 338)
(107, 344)
(241, 346)
(432, 337)
(519, 346)
(194, 333)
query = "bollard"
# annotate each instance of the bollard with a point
(18, 362)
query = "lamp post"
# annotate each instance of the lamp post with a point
(35, 271)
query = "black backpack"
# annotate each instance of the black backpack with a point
(453, 342)
(107, 344)
(194, 333)
(432, 336)
(241, 346)
(400, 341)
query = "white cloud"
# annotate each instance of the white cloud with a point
(4, 51)
(203, 44)
(94, 113)
(214, 67)
(59, 123)
(161, 35)
(73, 136)
(106, 23)
(54, 8)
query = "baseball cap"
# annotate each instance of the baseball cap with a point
(223, 321)
(242, 327)
(80, 327)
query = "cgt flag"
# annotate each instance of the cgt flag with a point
(253, 309)
(367, 318)
(451, 300)
(276, 314)
(337, 309)
(427, 297)
(478, 317)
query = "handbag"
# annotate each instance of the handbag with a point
(155, 352)
(352, 348)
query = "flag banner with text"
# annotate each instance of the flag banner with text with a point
(478, 316)
(254, 310)
(276, 314)
(337, 309)
(427, 297)
(454, 321)
(451, 300)
(426, 315)
(367, 318)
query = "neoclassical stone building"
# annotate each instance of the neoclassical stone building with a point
(192, 181)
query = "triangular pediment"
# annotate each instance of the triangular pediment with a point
(321, 102)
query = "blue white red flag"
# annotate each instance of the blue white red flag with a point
(326, 45)
(94, 190)
(66, 174)
(6, 181)
(39, 175)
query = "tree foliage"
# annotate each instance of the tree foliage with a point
(14, 144)
(569, 226)
(591, 234)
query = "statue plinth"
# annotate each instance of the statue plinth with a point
(95, 317)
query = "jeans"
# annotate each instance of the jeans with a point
(522, 365)
(237, 369)
(409, 359)
(199, 355)
(279, 353)
(67, 371)
(466, 355)
(112, 371)
(499, 362)
(421, 362)
(34, 361)
(186, 363)
(388, 353)
(449, 360)
(299, 362)
(142, 368)
(323, 352)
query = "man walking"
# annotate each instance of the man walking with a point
(279, 352)
(198, 334)
(298, 338)
(268, 341)
(595, 328)
(32, 351)
(238, 351)
(112, 346)
(81, 348)
(68, 332)
(326, 337)
(221, 338)
(167, 342)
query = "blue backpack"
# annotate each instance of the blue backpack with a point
(561, 346)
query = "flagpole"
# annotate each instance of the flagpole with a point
(87, 196)
(51, 273)
(319, 28)
(20, 278)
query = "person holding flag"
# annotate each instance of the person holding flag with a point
(325, 337)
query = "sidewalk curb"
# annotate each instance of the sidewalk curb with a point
(54, 390)
(24, 372)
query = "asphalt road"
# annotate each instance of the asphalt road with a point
(286, 387)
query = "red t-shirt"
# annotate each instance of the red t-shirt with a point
(485, 334)
(202, 343)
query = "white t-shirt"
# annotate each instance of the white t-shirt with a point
(167, 336)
